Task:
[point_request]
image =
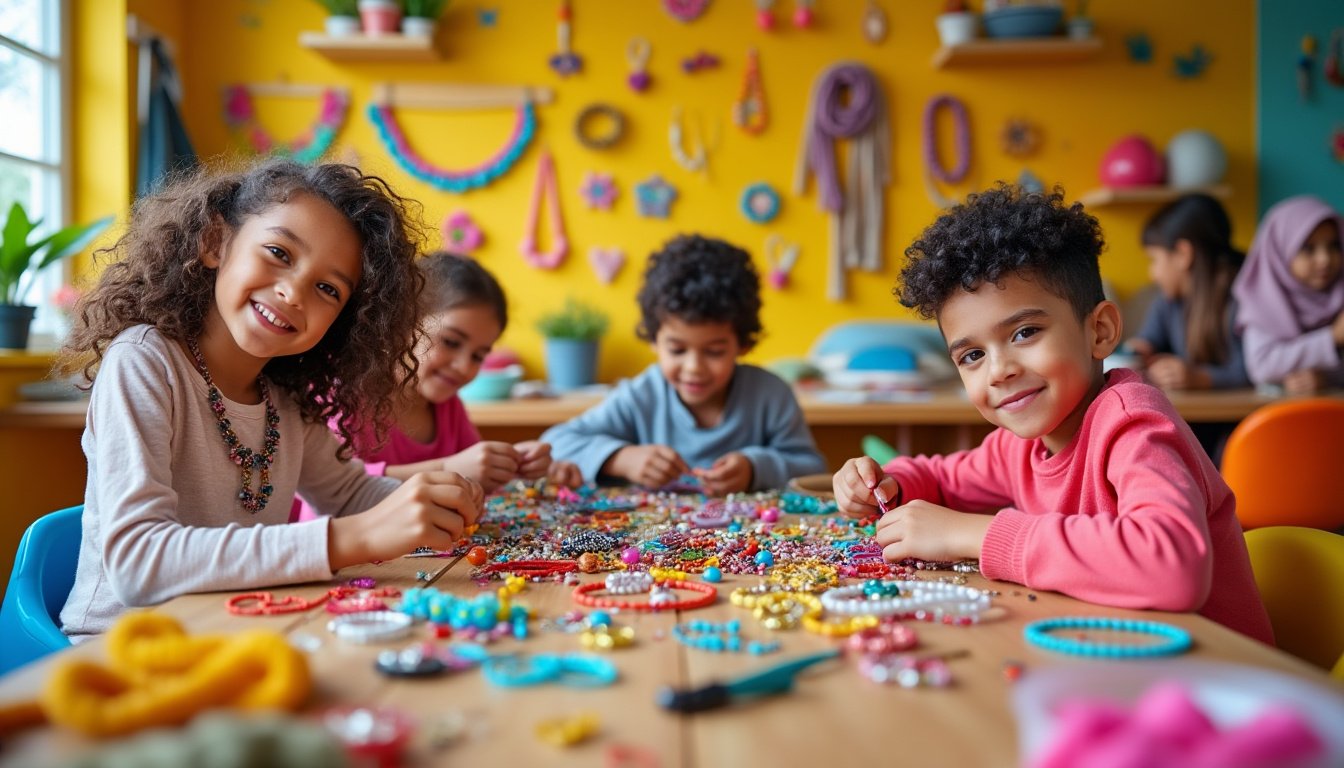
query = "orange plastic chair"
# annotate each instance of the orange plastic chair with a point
(1285, 463)
(1300, 575)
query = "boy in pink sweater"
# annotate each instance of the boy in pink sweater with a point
(1092, 486)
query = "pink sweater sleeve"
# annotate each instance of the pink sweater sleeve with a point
(1144, 542)
(967, 481)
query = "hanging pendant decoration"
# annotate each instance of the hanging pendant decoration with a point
(448, 180)
(655, 197)
(240, 114)
(598, 190)
(934, 171)
(637, 53)
(461, 234)
(685, 10)
(874, 23)
(564, 61)
(545, 187)
(804, 14)
(781, 255)
(1334, 74)
(698, 157)
(606, 262)
(765, 15)
(749, 111)
(760, 203)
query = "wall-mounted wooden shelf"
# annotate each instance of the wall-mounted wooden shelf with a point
(1153, 194)
(1030, 50)
(371, 47)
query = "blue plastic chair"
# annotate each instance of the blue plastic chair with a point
(44, 572)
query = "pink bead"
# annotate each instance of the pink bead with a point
(765, 20)
(770, 515)
(630, 555)
(802, 18)
(779, 279)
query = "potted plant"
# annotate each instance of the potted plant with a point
(1080, 26)
(21, 260)
(571, 335)
(342, 17)
(956, 24)
(421, 16)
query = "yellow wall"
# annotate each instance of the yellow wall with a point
(1082, 107)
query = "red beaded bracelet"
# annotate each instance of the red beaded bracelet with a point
(707, 597)
(265, 604)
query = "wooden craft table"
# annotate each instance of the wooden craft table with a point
(833, 716)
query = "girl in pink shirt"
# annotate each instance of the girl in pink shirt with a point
(1092, 486)
(463, 313)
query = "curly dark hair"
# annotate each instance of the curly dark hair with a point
(453, 281)
(155, 276)
(999, 232)
(701, 280)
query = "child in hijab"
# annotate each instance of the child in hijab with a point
(1290, 298)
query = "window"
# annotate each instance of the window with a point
(34, 77)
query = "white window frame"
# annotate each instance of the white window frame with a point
(49, 327)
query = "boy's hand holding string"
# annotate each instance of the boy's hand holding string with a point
(651, 466)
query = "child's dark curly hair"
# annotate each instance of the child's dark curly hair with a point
(156, 277)
(1000, 232)
(701, 280)
(453, 281)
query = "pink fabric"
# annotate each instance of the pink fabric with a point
(1131, 513)
(1167, 729)
(1269, 298)
(453, 433)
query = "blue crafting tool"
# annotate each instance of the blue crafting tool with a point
(767, 682)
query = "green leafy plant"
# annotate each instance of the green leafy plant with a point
(340, 7)
(575, 321)
(21, 260)
(423, 9)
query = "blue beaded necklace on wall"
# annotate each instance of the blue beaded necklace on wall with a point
(448, 180)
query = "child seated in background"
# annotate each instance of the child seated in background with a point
(1187, 340)
(463, 312)
(1093, 485)
(736, 426)
(1290, 298)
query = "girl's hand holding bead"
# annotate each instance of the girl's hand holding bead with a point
(431, 509)
(859, 483)
(534, 459)
(490, 463)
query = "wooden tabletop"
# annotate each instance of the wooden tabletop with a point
(942, 406)
(832, 714)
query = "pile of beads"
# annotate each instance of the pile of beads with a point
(905, 670)
(920, 600)
(882, 639)
(718, 638)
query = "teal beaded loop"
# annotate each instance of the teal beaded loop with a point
(1175, 640)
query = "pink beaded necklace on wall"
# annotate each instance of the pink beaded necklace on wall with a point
(545, 187)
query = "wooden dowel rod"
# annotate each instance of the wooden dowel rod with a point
(458, 96)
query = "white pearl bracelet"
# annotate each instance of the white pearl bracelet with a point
(937, 597)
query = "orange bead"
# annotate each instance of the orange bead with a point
(477, 555)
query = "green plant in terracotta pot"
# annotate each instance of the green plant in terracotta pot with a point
(572, 334)
(420, 17)
(20, 261)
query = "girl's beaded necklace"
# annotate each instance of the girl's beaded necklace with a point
(244, 457)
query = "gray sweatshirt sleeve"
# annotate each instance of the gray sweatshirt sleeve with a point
(1232, 373)
(1269, 359)
(1155, 325)
(164, 496)
(788, 450)
(591, 438)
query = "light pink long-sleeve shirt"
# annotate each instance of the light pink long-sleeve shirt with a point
(161, 513)
(1131, 513)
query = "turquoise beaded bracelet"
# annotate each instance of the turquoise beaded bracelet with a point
(1174, 639)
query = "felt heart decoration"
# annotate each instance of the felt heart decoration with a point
(607, 262)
